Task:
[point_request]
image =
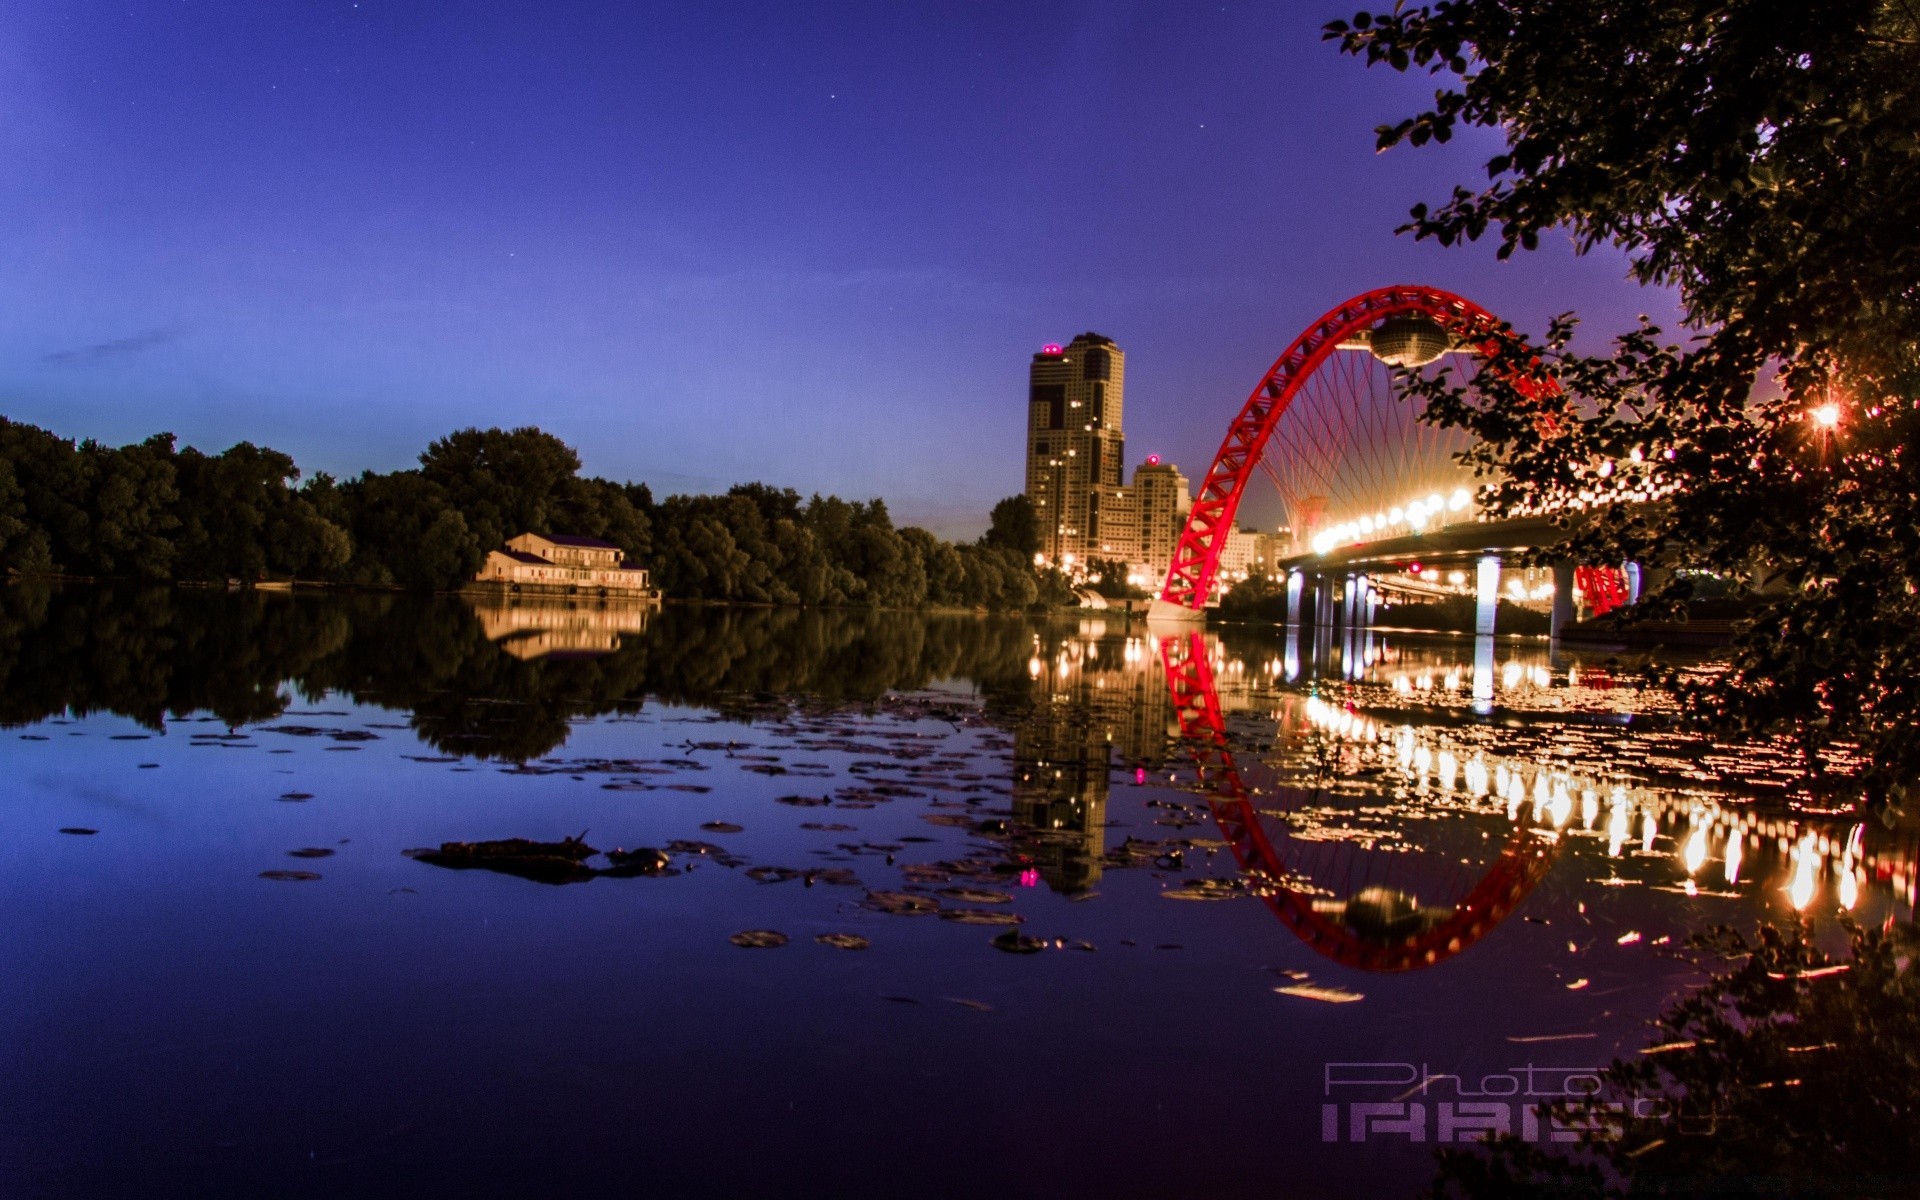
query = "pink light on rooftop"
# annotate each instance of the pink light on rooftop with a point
(1052, 348)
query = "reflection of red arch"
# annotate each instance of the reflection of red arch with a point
(1521, 865)
(1197, 555)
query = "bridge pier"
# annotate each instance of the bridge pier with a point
(1323, 602)
(1486, 594)
(1295, 581)
(1483, 673)
(1163, 612)
(1633, 582)
(1562, 615)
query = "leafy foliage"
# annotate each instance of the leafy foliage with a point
(1761, 1074)
(148, 511)
(1762, 157)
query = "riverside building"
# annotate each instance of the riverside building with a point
(558, 563)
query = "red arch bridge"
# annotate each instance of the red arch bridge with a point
(1372, 500)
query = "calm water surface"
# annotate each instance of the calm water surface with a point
(1268, 887)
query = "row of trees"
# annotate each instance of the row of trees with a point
(158, 512)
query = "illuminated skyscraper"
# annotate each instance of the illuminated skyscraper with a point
(1075, 449)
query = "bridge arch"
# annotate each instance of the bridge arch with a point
(1196, 556)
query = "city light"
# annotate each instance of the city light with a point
(1414, 516)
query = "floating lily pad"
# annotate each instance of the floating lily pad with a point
(980, 916)
(310, 852)
(723, 827)
(902, 903)
(772, 874)
(804, 801)
(296, 796)
(976, 895)
(79, 830)
(759, 939)
(843, 941)
(1193, 892)
(290, 876)
(975, 1005)
(835, 876)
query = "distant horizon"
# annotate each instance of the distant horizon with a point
(814, 249)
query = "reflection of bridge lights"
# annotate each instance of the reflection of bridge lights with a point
(1540, 795)
(1695, 855)
(1806, 867)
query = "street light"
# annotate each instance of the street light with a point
(1826, 416)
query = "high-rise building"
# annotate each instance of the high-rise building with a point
(1075, 467)
(1075, 450)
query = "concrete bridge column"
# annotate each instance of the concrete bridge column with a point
(1356, 609)
(1486, 594)
(1562, 600)
(1295, 581)
(1632, 572)
(1483, 673)
(1323, 601)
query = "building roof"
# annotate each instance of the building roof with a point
(524, 557)
(584, 543)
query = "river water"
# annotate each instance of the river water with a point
(1224, 914)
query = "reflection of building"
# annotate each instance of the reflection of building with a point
(544, 562)
(556, 628)
(1100, 703)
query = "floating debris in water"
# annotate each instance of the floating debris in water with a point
(290, 876)
(759, 939)
(1015, 942)
(543, 862)
(79, 830)
(1331, 995)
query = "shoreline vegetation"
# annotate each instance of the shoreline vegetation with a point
(156, 513)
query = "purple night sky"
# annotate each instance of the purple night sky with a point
(813, 244)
